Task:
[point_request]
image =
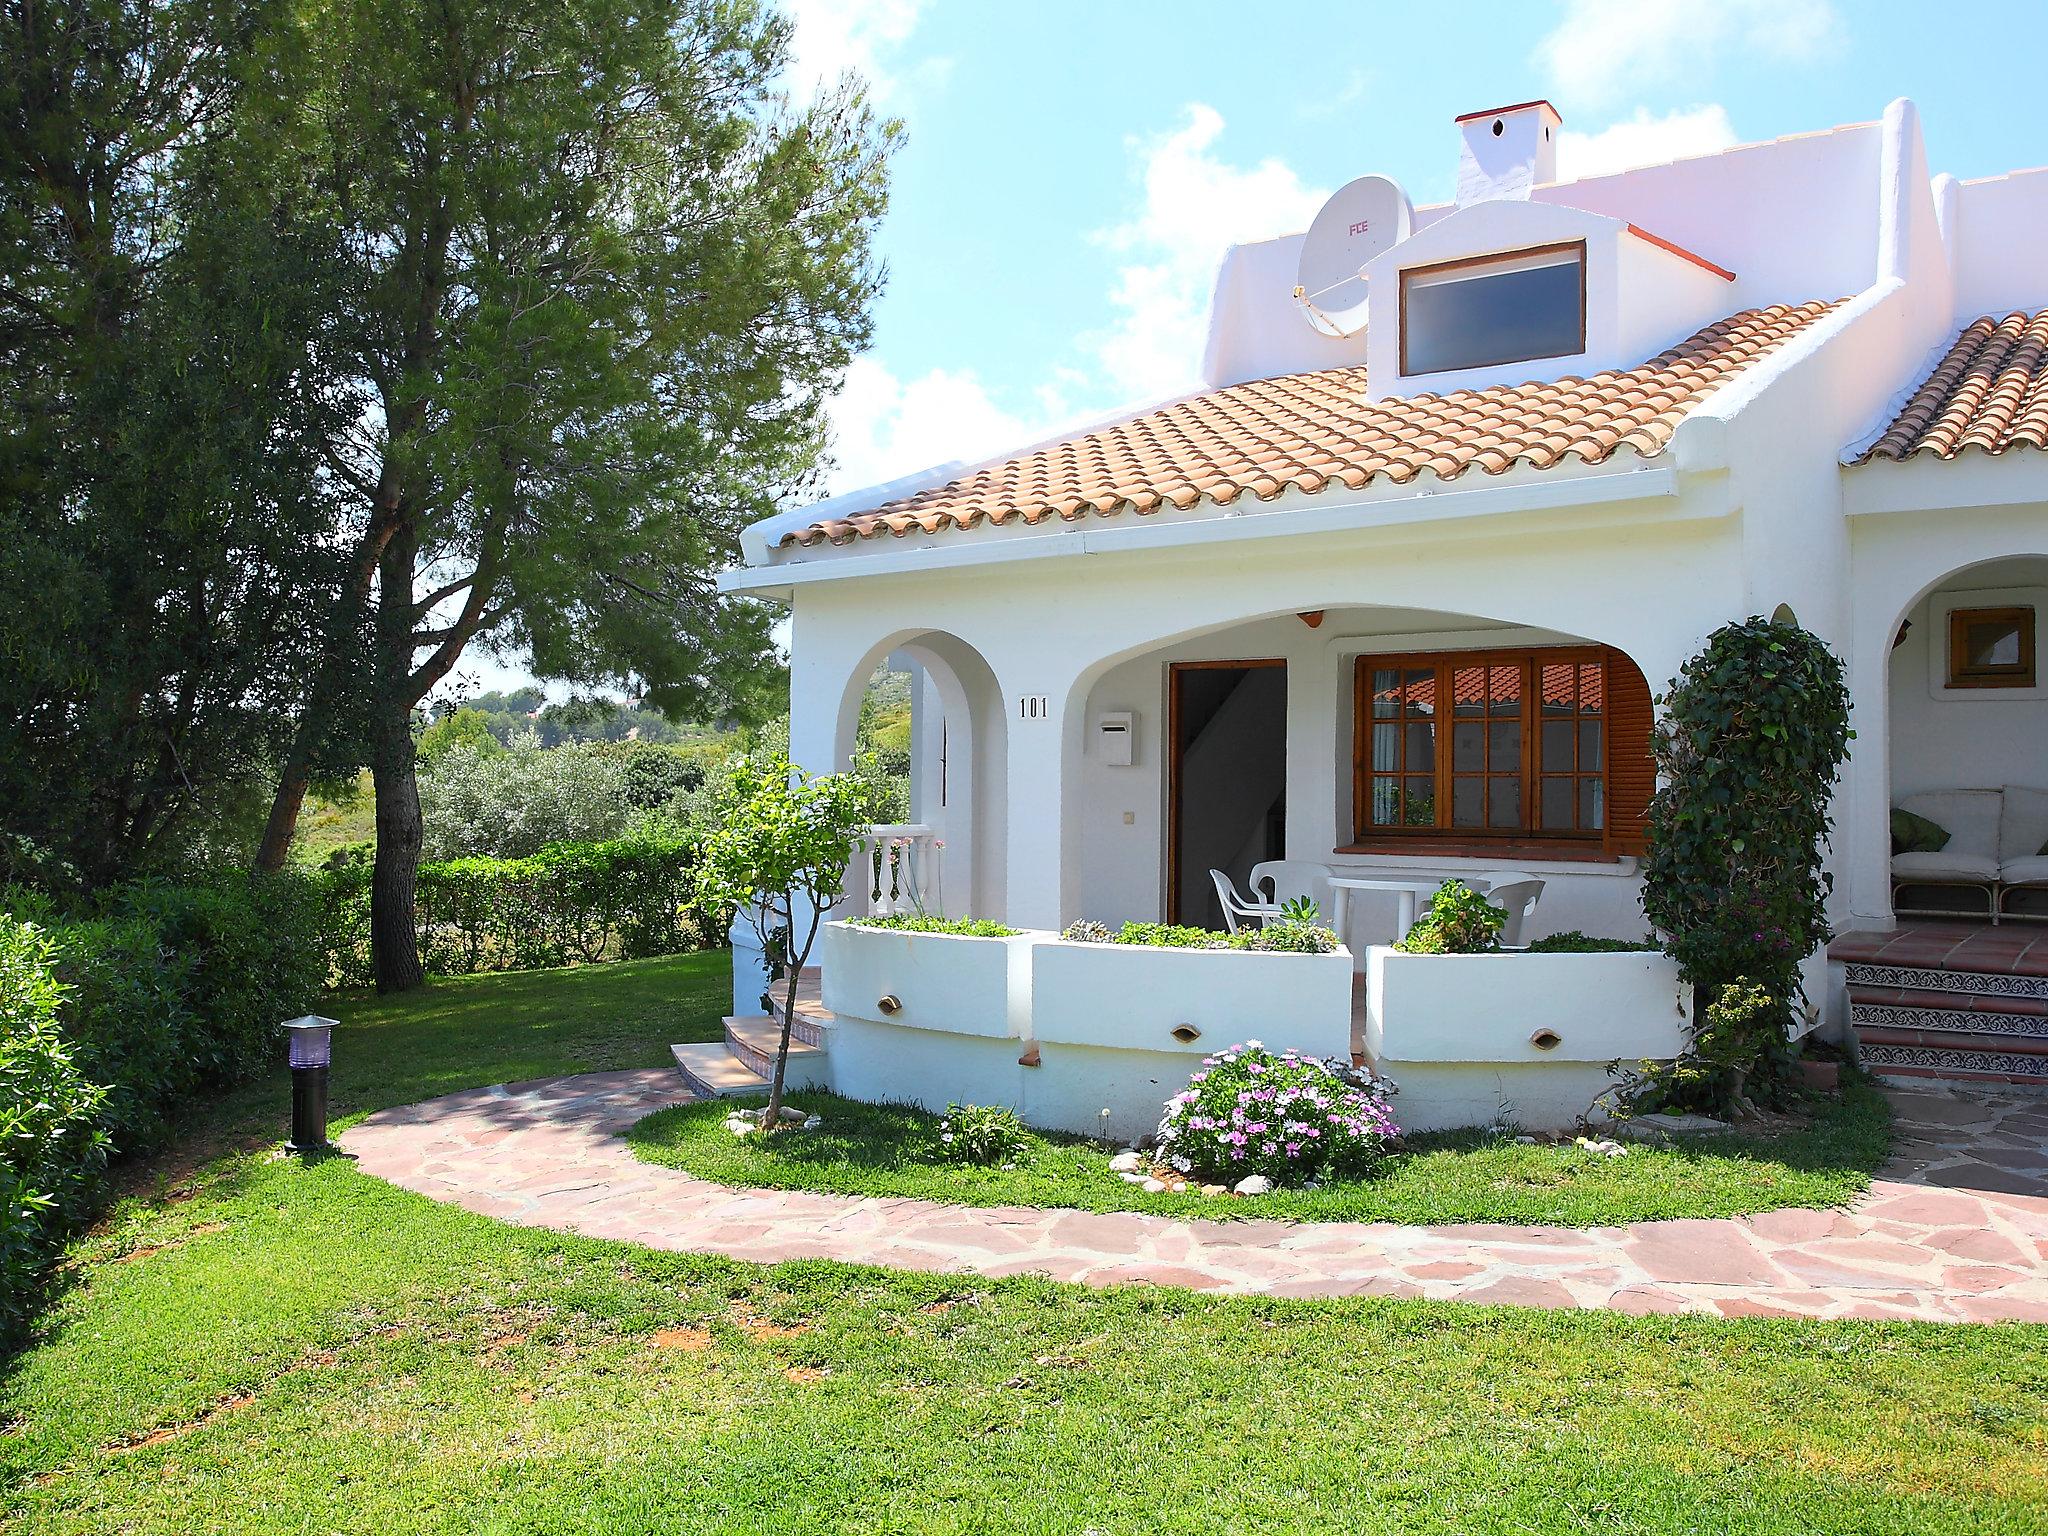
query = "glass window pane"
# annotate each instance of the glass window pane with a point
(1592, 805)
(1589, 745)
(1498, 312)
(1592, 687)
(1421, 807)
(1504, 690)
(1503, 802)
(1557, 746)
(1558, 691)
(1386, 746)
(1386, 692)
(1468, 746)
(1994, 644)
(1559, 795)
(1421, 748)
(1386, 802)
(1421, 692)
(1468, 691)
(1506, 746)
(1468, 800)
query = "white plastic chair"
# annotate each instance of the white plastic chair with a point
(1235, 908)
(1515, 893)
(1283, 880)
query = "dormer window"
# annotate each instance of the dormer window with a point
(1489, 310)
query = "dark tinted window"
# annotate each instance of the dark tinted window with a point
(1504, 311)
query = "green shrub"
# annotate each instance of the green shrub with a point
(1459, 921)
(1573, 942)
(1741, 1051)
(984, 1135)
(569, 904)
(175, 989)
(964, 927)
(1286, 936)
(1753, 733)
(51, 1145)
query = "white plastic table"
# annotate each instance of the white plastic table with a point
(1408, 889)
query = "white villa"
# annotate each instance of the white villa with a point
(1387, 599)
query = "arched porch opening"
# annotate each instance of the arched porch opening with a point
(958, 762)
(1966, 739)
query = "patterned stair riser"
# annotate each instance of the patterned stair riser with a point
(806, 1029)
(1959, 1021)
(1934, 1061)
(1978, 983)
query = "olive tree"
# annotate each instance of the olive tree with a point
(779, 855)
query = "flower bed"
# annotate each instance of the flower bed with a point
(1276, 1118)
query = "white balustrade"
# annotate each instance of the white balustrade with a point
(895, 869)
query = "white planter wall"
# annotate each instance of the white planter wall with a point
(1133, 996)
(944, 982)
(1459, 1033)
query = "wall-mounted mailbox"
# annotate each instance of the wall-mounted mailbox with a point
(1116, 730)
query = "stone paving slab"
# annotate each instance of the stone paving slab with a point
(1931, 1241)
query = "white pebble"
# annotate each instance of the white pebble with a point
(1255, 1184)
(1126, 1162)
(1152, 1186)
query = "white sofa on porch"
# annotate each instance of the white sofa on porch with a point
(1996, 839)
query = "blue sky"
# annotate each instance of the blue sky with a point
(1073, 171)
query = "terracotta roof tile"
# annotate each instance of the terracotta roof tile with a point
(1989, 392)
(1303, 431)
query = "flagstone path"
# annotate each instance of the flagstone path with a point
(1956, 1231)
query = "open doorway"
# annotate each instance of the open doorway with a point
(1226, 780)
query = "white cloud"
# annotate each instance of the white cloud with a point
(1644, 140)
(866, 37)
(1193, 204)
(884, 426)
(1603, 51)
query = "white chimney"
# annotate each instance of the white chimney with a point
(1507, 151)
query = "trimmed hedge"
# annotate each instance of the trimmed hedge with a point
(569, 904)
(116, 1018)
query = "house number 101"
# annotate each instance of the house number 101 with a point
(1034, 706)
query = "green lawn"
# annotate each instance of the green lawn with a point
(893, 1149)
(268, 1347)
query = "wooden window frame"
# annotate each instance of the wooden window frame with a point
(1493, 258)
(2021, 674)
(1443, 838)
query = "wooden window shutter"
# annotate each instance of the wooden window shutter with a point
(1631, 769)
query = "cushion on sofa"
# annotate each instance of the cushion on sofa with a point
(1916, 834)
(2023, 823)
(1969, 816)
(1946, 866)
(2030, 871)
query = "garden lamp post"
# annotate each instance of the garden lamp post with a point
(312, 1049)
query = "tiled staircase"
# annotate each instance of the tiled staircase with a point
(745, 1061)
(1961, 1001)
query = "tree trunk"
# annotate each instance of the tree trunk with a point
(285, 805)
(394, 940)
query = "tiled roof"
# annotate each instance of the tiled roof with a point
(1989, 392)
(1305, 431)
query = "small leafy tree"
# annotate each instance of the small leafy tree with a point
(779, 854)
(1754, 731)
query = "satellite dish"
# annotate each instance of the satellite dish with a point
(1364, 218)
